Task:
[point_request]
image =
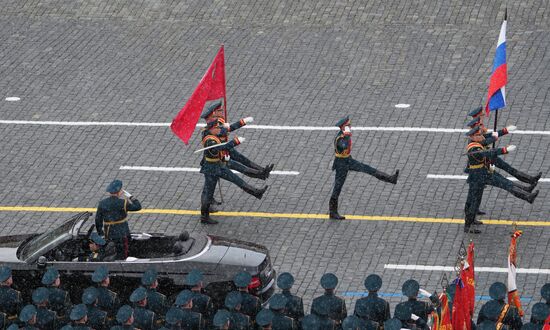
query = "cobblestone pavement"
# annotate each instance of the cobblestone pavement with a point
(304, 63)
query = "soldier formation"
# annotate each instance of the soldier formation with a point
(147, 308)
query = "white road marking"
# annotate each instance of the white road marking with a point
(12, 99)
(477, 269)
(264, 127)
(402, 105)
(464, 177)
(188, 169)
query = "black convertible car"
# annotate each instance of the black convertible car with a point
(218, 258)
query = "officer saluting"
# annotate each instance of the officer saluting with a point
(10, 299)
(372, 307)
(343, 163)
(111, 217)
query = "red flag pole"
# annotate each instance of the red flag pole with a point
(224, 94)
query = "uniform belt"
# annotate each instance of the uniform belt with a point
(12, 317)
(212, 160)
(342, 155)
(118, 222)
(476, 166)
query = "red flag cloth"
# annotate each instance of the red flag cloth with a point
(211, 87)
(445, 319)
(513, 295)
(468, 276)
(461, 314)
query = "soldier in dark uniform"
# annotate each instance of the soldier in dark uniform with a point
(10, 299)
(372, 307)
(96, 245)
(143, 317)
(545, 293)
(111, 217)
(96, 317)
(173, 319)
(59, 300)
(508, 314)
(343, 163)
(277, 304)
(421, 309)
(238, 320)
(221, 320)
(294, 306)
(28, 317)
(214, 168)
(156, 301)
(539, 314)
(201, 303)
(492, 312)
(403, 313)
(480, 174)
(321, 309)
(107, 299)
(311, 322)
(45, 318)
(393, 324)
(250, 304)
(352, 322)
(336, 306)
(125, 319)
(265, 319)
(190, 319)
(79, 317)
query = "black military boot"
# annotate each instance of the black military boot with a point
(258, 193)
(386, 177)
(333, 210)
(524, 177)
(205, 216)
(481, 213)
(526, 196)
(256, 174)
(528, 188)
(469, 221)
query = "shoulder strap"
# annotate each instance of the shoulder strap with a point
(503, 313)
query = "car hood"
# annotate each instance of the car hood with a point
(8, 255)
(238, 253)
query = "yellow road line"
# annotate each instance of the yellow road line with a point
(538, 223)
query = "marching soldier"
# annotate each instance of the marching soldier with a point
(107, 299)
(277, 304)
(294, 306)
(96, 317)
(143, 317)
(507, 314)
(418, 309)
(156, 301)
(250, 304)
(480, 174)
(238, 320)
(125, 319)
(45, 318)
(372, 307)
(111, 217)
(265, 319)
(221, 320)
(28, 317)
(10, 299)
(79, 317)
(190, 319)
(343, 163)
(214, 168)
(335, 306)
(59, 300)
(201, 303)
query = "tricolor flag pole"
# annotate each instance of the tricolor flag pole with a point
(496, 97)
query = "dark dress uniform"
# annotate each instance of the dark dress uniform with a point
(376, 308)
(46, 319)
(111, 221)
(10, 302)
(192, 320)
(508, 316)
(156, 301)
(282, 322)
(203, 304)
(250, 305)
(336, 306)
(343, 163)
(294, 306)
(214, 168)
(239, 321)
(60, 302)
(107, 301)
(144, 318)
(97, 318)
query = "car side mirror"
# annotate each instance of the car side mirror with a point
(42, 262)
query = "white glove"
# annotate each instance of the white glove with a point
(414, 317)
(226, 125)
(492, 167)
(511, 148)
(226, 158)
(240, 139)
(126, 194)
(347, 129)
(248, 120)
(495, 135)
(511, 128)
(424, 292)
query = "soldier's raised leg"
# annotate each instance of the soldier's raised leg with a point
(360, 167)
(226, 174)
(248, 171)
(339, 180)
(521, 176)
(499, 181)
(206, 198)
(237, 156)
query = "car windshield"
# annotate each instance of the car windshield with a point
(38, 242)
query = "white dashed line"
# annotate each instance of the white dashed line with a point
(13, 99)
(188, 169)
(464, 177)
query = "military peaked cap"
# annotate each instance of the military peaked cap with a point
(100, 274)
(342, 121)
(149, 276)
(90, 295)
(410, 288)
(211, 108)
(50, 276)
(329, 281)
(539, 312)
(221, 317)
(264, 317)
(474, 122)
(242, 279)
(114, 187)
(94, 237)
(233, 299)
(138, 295)
(473, 131)
(27, 313)
(174, 315)
(497, 291)
(476, 112)
(184, 297)
(285, 281)
(5, 273)
(78, 312)
(40, 295)
(124, 313)
(373, 282)
(194, 277)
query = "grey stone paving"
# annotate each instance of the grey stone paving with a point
(288, 63)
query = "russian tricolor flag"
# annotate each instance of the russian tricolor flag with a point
(496, 98)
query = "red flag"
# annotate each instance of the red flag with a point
(445, 320)
(461, 314)
(211, 87)
(513, 296)
(468, 276)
